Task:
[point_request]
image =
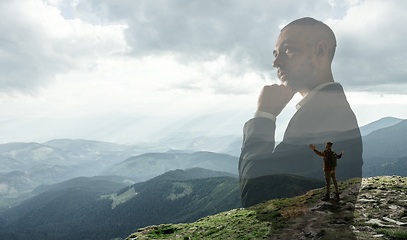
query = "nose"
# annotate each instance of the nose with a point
(277, 63)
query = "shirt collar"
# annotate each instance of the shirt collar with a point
(308, 97)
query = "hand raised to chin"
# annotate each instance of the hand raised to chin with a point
(274, 98)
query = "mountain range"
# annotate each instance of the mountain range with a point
(17, 185)
(99, 208)
(24, 166)
(127, 128)
(387, 142)
(379, 124)
(146, 166)
(68, 182)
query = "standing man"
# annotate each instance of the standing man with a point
(329, 164)
(303, 55)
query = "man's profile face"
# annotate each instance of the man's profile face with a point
(293, 58)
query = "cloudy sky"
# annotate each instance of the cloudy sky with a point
(72, 60)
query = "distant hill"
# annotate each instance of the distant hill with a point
(79, 212)
(379, 124)
(230, 144)
(27, 155)
(25, 166)
(9, 164)
(148, 165)
(131, 128)
(94, 184)
(86, 147)
(389, 142)
(384, 150)
(99, 150)
(386, 166)
(16, 186)
(103, 154)
(87, 186)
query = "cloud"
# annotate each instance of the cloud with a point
(37, 44)
(197, 31)
(371, 39)
(43, 39)
(371, 54)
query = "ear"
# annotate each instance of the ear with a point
(321, 49)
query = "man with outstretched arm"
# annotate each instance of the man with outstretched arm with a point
(329, 165)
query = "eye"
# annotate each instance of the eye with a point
(289, 49)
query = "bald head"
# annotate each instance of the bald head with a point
(315, 31)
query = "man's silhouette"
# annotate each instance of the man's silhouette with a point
(329, 165)
(303, 55)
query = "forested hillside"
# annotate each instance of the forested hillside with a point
(89, 213)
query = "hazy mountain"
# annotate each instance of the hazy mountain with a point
(25, 166)
(384, 149)
(100, 184)
(26, 155)
(99, 150)
(132, 128)
(379, 124)
(387, 142)
(86, 147)
(386, 166)
(85, 212)
(8, 164)
(16, 186)
(230, 144)
(148, 165)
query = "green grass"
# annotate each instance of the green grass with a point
(122, 198)
(394, 234)
(236, 224)
(180, 189)
(256, 222)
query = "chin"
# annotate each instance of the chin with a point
(289, 84)
(284, 82)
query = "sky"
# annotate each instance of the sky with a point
(69, 68)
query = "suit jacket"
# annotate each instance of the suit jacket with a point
(326, 117)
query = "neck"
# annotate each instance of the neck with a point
(321, 79)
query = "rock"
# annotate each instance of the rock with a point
(365, 229)
(394, 221)
(379, 223)
(378, 235)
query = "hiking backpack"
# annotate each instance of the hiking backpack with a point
(331, 159)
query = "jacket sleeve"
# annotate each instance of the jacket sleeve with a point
(258, 145)
(319, 153)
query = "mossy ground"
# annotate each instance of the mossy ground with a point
(302, 217)
(234, 224)
(257, 222)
